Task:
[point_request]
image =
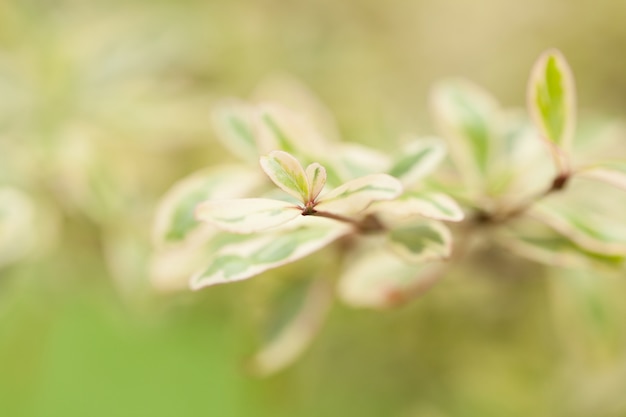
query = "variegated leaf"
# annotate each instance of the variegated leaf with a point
(18, 229)
(272, 125)
(287, 173)
(593, 301)
(291, 93)
(552, 102)
(171, 266)
(267, 251)
(613, 173)
(175, 219)
(280, 128)
(246, 215)
(592, 232)
(351, 160)
(316, 177)
(418, 159)
(233, 121)
(467, 116)
(356, 195)
(524, 168)
(546, 246)
(379, 279)
(431, 205)
(292, 339)
(421, 241)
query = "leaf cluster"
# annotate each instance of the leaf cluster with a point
(393, 220)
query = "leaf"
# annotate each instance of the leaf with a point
(246, 215)
(351, 160)
(552, 102)
(524, 168)
(421, 241)
(260, 253)
(591, 232)
(291, 93)
(417, 160)
(592, 303)
(297, 334)
(233, 121)
(171, 266)
(613, 173)
(316, 178)
(546, 246)
(356, 195)
(434, 206)
(175, 220)
(18, 229)
(378, 279)
(466, 115)
(279, 128)
(287, 173)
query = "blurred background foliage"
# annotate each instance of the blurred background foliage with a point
(105, 104)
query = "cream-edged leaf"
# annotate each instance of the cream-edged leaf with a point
(316, 177)
(552, 102)
(613, 173)
(551, 98)
(280, 128)
(421, 241)
(174, 219)
(287, 173)
(379, 279)
(524, 167)
(591, 232)
(292, 94)
(272, 125)
(356, 195)
(233, 121)
(263, 252)
(18, 229)
(432, 205)
(592, 303)
(544, 245)
(292, 339)
(352, 160)
(171, 266)
(246, 215)
(416, 160)
(467, 117)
